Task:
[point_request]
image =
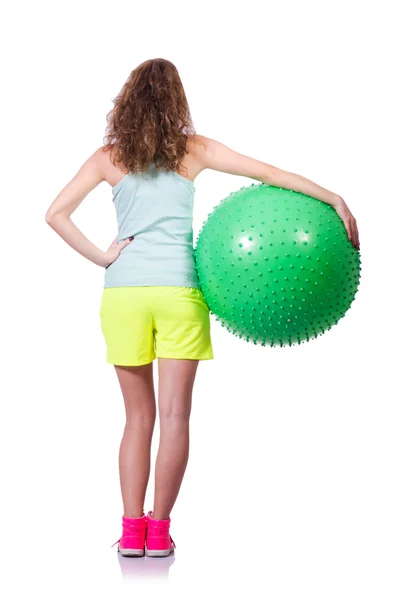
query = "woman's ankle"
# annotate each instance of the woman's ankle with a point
(159, 516)
(133, 515)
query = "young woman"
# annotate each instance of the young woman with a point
(152, 305)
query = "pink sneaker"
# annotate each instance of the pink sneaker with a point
(158, 539)
(132, 541)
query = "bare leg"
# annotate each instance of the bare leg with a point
(176, 379)
(134, 457)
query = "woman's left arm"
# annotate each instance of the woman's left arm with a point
(216, 155)
(89, 175)
(292, 181)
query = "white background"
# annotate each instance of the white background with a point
(290, 491)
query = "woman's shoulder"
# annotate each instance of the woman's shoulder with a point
(197, 142)
(112, 171)
(197, 148)
(201, 146)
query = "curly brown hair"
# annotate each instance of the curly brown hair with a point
(150, 121)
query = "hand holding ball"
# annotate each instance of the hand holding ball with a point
(276, 267)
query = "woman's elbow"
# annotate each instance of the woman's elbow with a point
(276, 177)
(270, 175)
(49, 217)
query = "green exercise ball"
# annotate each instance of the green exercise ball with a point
(275, 266)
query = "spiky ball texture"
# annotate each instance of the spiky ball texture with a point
(275, 266)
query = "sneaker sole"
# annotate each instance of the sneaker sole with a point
(131, 552)
(160, 552)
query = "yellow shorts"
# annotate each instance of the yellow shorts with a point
(142, 322)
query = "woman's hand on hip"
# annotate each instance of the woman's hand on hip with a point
(113, 252)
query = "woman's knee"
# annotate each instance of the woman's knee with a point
(141, 415)
(176, 413)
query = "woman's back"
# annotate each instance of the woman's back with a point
(156, 208)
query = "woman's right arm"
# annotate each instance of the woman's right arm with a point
(217, 156)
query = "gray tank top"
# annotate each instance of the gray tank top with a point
(156, 207)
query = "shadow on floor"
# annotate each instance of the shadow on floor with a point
(145, 567)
